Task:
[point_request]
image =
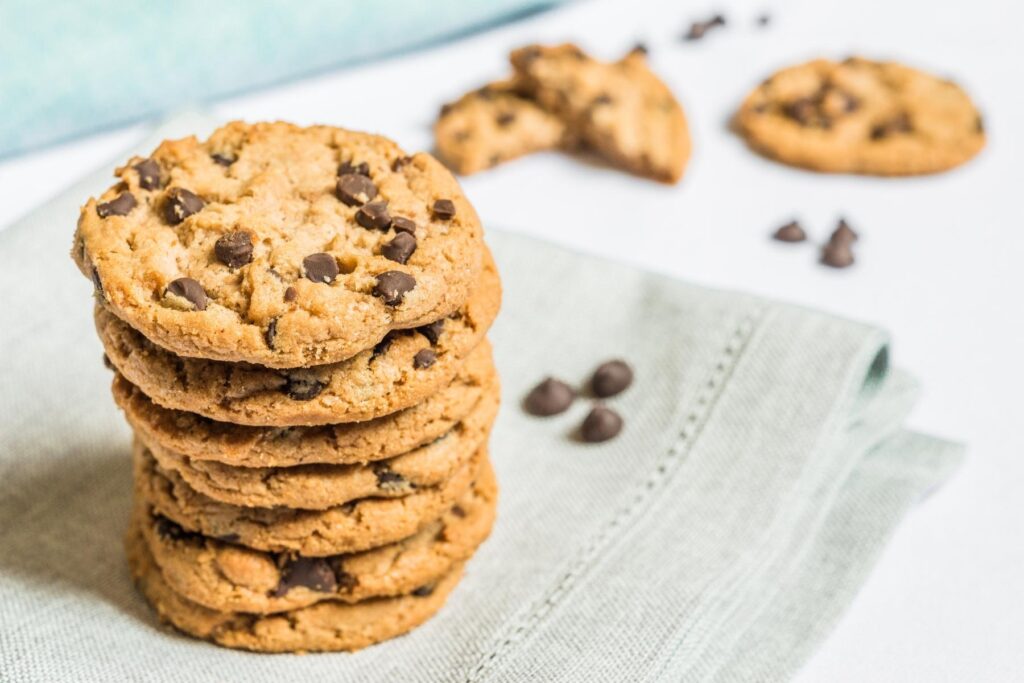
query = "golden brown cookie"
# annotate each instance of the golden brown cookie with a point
(620, 109)
(279, 245)
(861, 116)
(493, 124)
(232, 578)
(358, 525)
(322, 627)
(475, 388)
(401, 371)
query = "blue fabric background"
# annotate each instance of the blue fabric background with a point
(69, 67)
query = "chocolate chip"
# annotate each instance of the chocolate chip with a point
(97, 283)
(611, 378)
(550, 397)
(445, 109)
(313, 573)
(346, 582)
(400, 248)
(118, 206)
(979, 125)
(424, 358)
(432, 331)
(401, 224)
(149, 174)
(234, 249)
(600, 425)
(698, 29)
(180, 204)
(837, 254)
(190, 290)
(374, 216)
(424, 591)
(392, 286)
(303, 387)
(899, 123)
(347, 167)
(400, 163)
(505, 119)
(290, 294)
(444, 209)
(790, 232)
(170, 530)
(640, 49)
(107, 364)
(355, 190)
(389, 479)
(804, 111)
(320, 268)
(222, 159)
(229, 538)
(271, 334)
(458, 511)
(383, 345)
(844, 233)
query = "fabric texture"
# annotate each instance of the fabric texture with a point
(106, 62)
(762, 468)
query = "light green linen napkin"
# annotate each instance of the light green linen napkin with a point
(762, 467)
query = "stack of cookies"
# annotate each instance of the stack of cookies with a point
(296, 321)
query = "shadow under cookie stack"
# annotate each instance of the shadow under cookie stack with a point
(296, 321)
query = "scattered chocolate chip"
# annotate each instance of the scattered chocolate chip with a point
(600, 425)
(303, 387)
(118, 206)
(844, 233)
(222, 159)
(234, 249)
(374, 216)
(458, 511)
(611, 378)
(401, 224)
(180, 204)
(400, 248)
(837, 254)
(290, 294)
(399, 163)
(389, 479)
(320, 268)
(149, 174)
(424, 591)
(392, 286)
(698, 29)
(190, 290)
(893, 126)
(550, 397)
(444, 209)
(505, 119)
(313, 573)
(347, 167)
(229, 538)
(764, 20)
(355, 190)
(790, 232)
(271, 334)
(432, 331)
(424, 358)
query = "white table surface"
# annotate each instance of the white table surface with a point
(940, 263)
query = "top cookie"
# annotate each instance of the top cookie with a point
(280, 245)
(620, 109)
(861, 116)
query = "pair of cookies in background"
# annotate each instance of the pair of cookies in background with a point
(561, 98)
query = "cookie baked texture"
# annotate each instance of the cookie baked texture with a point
(233, 578)
(322, 627)
(354, 526)
(620, 109)
(200, 438)
(493, 124)
(318, 487)
(861, 116)
(378, 381)
(279, 245)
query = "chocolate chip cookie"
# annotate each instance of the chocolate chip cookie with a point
(402, 370)
(322, 627)
(354, 526)
(279, 245)
(493, 124)
(232, 578)
(862, 116)
(620, 109)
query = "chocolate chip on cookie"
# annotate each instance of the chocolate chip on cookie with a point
(355, 190)
(173, 531)
(400, 248)
(187, 294)
(393, 285)
(303, 387)
(314, 573)
(400, 163)
(290, 294)
(790, 232)
(234, 249)
(180, 204)
(432, 331)
(899, 123)
(550, 397)
(424, 358)
(402, 224)
(320, 267)
(347, 168)
(374, 216)
(388, 479)
(149, 174)
(611, 378)
(222, 159)
(271, 334)
(424, 591)
(444, 209)
(601, 424)
(120, 205)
